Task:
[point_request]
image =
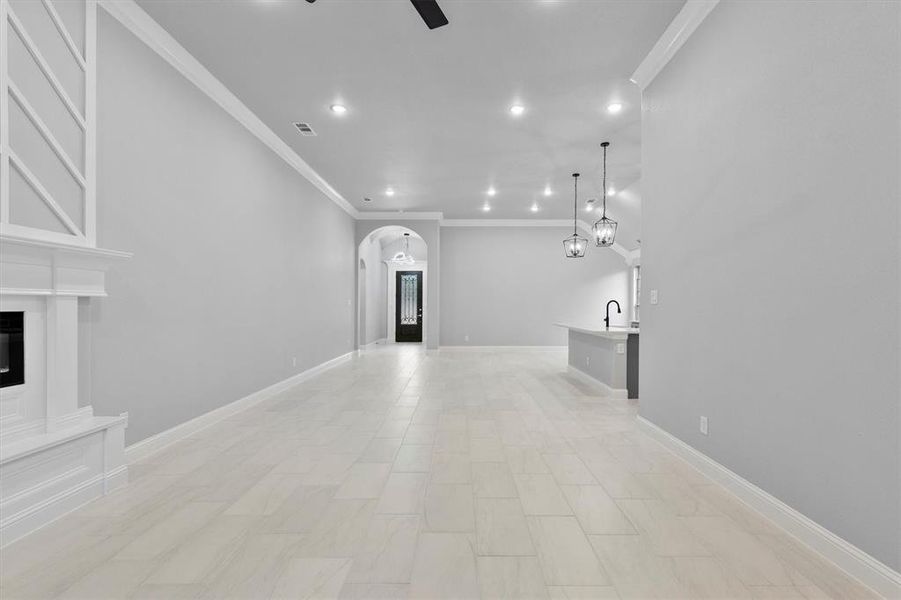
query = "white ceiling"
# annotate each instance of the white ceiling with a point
(428, 110)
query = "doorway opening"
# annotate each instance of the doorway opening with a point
(408, 306)
(392, 301)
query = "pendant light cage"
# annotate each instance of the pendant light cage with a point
(575, 246)
(605, 232)
(404, 258)
(604, 228)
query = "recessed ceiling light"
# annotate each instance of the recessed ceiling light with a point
(548, 191)
(614, 107)
(367, 199)
(611, 191)
(338, 109)
(491, 191)
(534, 208)
(389, 192)
(589, 205)
(517, 109)
(486, 207)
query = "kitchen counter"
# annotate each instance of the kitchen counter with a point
(613, 333)
(607, 357)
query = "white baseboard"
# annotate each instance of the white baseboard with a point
(848, 557)
(615, 393)
(59, 505)
(155, 443)
(371, 345)
(484, 348)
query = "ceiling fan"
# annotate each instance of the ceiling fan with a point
(429, 10)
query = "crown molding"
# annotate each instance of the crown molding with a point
(506, 223)
(674, 37)
(630, 256)
(396, 215)
(142, 25)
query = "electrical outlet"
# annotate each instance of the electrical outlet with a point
(293, 361)
(466, 338)
(620, 348)
(703, 425)
(653, 296)
(587, 361)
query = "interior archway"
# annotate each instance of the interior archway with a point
(381, 254)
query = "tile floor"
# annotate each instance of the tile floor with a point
(458, 474)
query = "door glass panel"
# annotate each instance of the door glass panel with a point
(408, 295)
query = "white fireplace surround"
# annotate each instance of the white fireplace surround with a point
(54, 454)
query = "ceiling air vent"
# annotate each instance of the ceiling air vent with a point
(304, 129)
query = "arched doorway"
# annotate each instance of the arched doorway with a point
(383, 254)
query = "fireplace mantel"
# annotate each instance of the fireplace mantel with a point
(54, 453)
(38, 268)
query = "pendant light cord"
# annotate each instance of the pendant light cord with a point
(604, 145)
(575, 201)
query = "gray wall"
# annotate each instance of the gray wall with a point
(507, 286)
(374, 291)
(598, 357)
(770, 215)
(240, 264)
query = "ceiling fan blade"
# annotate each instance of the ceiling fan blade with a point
(430, 12)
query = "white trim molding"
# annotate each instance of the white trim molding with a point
(372, 345)
(610, 392)
(455, 348)
(674, 37)
(508, 223)
(848, 557)
(155, 443)
(48, 475)
(80, 231)
(397, 215)
(628, 256)
(158, 39)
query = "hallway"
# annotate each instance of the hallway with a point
(401, 474)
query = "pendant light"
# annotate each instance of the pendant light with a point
(604, 228)
(405, 257)
(575, 246)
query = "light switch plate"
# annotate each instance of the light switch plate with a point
(703, 425)
(653, 296)
(620, 348)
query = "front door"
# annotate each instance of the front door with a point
(408, 307)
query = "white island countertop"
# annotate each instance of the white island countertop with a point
(613, 333)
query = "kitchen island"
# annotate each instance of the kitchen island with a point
(606, 356)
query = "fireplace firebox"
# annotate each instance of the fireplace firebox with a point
(12, 348)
